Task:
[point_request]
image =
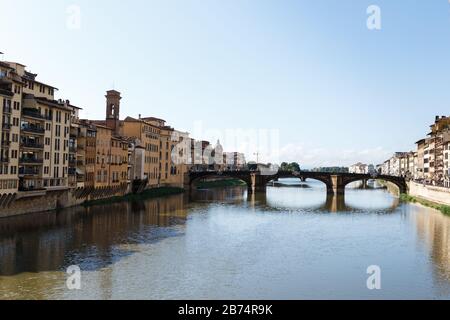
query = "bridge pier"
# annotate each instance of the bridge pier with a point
(365, 184)
(257, 183)
(336, 185)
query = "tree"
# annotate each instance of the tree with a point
(295, 167)
(291, 167)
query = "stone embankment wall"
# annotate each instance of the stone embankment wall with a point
(48, 200)
(435, 194)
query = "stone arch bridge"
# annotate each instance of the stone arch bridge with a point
(257, 181)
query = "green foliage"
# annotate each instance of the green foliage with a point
(331, 169)
(292, 167)
(443, 208)
(147, 194)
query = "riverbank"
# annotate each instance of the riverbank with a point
(147, 194)
(427, 203)
(213, 184)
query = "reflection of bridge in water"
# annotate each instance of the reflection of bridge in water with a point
(257, 181)
(334, 203)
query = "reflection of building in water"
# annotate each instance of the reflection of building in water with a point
(53, 241)
(234, 194)
(434, 228)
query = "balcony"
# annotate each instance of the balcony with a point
(4, 79)
(7, 110)
(28, 172)
(72, 150)
(6, 144)
(6, 126)
(33, 129)
(4, 160)
(31, 161)
(31, 145)
(31, 113)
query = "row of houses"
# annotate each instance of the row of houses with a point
(46, 146)
(429, 163)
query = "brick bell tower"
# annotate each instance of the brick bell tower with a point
(113, 110)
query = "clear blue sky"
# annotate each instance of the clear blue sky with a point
(338, 92)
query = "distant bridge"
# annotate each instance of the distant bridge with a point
(258, 180)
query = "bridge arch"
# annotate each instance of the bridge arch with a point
(200, 176)
(397, 181)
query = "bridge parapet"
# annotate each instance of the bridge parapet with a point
(257, 181)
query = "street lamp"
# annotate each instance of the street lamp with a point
(257, 157)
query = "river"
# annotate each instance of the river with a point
(293, 242)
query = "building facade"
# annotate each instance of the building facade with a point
(35, 132)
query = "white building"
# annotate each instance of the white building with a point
(359, 168)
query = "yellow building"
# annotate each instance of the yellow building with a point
(172, 163)
(149, 135)
(37, 128)
(103, 155)
(119, 161)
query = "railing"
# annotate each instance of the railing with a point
(6, 126)
(31, 160)
(6, 92)
(32, 145)
(72, 150)
(7, 110)
(33, 129)
(28, 171)
(30, 188)
(33, 114)
(6, 143)
(4, 160)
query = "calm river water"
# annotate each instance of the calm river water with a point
(292, 243)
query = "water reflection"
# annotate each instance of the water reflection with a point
(292, 242)
(88, 237)
(433, 229)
